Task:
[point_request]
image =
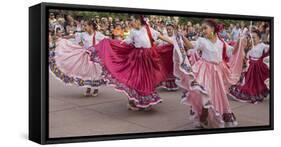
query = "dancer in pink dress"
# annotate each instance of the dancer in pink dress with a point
(207, 81)
(252, 88)
(71, 62)
(135, 65)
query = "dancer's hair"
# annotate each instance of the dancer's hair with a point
(257, 32)
(214, 24)
(141, 18)
(92, 23)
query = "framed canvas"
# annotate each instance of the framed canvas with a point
(103, 73)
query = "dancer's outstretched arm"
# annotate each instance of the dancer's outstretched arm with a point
(164, 38)
(186, 42)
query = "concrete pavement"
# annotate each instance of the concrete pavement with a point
(72, 114)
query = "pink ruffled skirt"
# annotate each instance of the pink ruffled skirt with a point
(72, 64)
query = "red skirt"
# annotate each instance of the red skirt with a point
(136, 71)
(252, 88)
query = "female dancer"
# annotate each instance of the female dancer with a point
(208, 80)
(169, 84)
(72, 63)
(135, 65)
(253, 88)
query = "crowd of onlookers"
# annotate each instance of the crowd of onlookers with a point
(63, 25)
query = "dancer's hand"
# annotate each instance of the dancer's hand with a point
(182, 33)
(81, 43)
(122, 42)
(249, 42)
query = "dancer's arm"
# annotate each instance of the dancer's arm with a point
(69, 36)
(164, 38)
(157, 35)
(187, 43)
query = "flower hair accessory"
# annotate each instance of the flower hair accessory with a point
(143, 19)
(219, 28)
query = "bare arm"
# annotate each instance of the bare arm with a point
(69, 36)
(186, 42)
(164, 38)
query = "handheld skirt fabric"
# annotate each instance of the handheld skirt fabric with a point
(72, 64)
(135, 71)
(207, 84)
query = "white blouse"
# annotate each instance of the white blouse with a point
(87, 39)
(258, 50)
(211, 51)
(140, 37)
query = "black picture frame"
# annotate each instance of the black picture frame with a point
(38, 73)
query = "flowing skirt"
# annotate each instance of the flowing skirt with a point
(206, 86)
(193, 56)
(72, 64)
(170, 84)
(135, 71)
(252, 88)
(213, 76)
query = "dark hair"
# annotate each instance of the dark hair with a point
(92, 23)
(264, 26)
(214, 24)
(58, 29)
(140, 17)
(257, 32)
(65, 16)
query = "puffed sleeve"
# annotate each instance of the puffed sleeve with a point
(78, 37)
(130, 37)
(265, 47)
(155, 34)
